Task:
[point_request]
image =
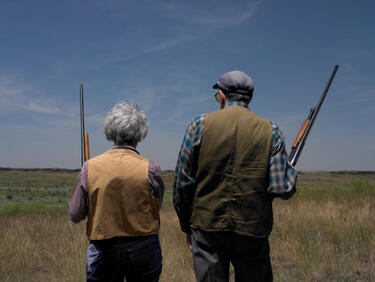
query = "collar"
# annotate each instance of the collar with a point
(128, 147)
(236, 103)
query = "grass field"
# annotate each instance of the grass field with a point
(326, 232)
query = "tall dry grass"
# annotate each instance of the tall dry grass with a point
(311, 241)
(324, 240)
(41, 248)
(325, 233)
(50, 248)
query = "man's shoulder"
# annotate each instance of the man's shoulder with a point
(221, 112)
(273, 124)
(234, 110)
(197, 121)
(275, 128)
(198, 118)
(260, 117)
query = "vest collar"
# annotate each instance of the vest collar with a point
(236, 103)
(125, 147)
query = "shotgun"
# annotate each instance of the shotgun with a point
(304, 131)
(85, 147)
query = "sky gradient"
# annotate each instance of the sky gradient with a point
(166, 55)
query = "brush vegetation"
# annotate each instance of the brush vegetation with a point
(326, 232)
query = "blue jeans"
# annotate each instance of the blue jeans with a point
(138, 259)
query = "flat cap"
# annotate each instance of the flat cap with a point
(235, 82)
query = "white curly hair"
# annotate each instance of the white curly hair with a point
(125, 124)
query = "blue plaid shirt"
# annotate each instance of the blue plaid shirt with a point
(282, 176)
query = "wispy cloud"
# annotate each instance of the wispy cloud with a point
(192, 20)
(15, 94)
(18, 95)
(12, 85)
(148, 99)
(197, 19)
(175, 40)
(9, 92)
(212, 14)
(44, 109)
(179, 39)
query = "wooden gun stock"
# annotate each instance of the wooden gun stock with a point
(301, 132)
(87, 147)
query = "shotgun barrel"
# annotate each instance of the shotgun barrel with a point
(82, 124)
(304, 131)
(85, 148)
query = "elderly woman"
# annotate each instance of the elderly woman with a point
(121, 192)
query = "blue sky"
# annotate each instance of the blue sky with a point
(166, 55)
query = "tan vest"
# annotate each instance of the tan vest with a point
(120, 200)
(232, 174)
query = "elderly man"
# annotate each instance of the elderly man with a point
(121, 192)
(231, 165)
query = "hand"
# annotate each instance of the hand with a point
(188, 241)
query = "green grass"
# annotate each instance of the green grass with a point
(33, 208)
(39, 191)
(334, 187)
(351, 188)
(35, 191)
(15, 178)
(28, 190)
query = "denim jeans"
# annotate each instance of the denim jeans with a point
(138, 259)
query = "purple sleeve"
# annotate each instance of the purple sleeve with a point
(155, 181)
(77, 205)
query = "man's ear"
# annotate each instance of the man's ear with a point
(223, 99)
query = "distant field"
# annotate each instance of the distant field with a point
(23, 191)
(326, 232)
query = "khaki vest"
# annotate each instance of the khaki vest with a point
(232, 174)
(120, 200)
